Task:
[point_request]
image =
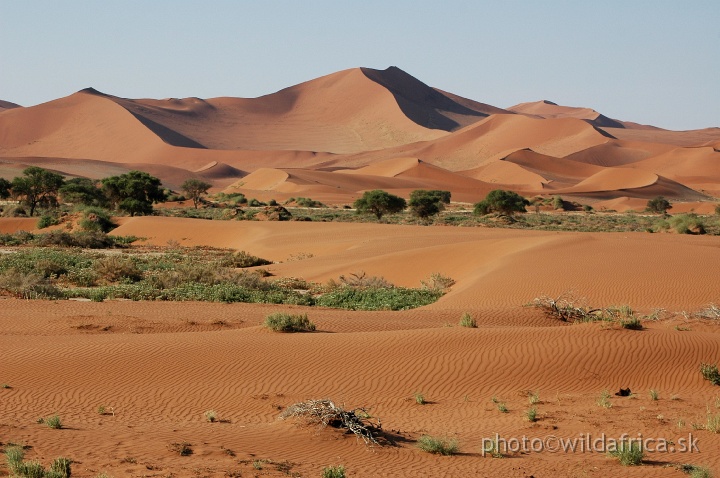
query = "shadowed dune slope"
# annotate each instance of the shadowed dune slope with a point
(698, 168)
(7, 105)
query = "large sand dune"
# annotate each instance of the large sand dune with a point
(157, 367)
(358, 119)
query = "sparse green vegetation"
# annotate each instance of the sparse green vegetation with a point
(281, 322)
(695, 471)
(54, 422)
(713, 423)
(467, 321)
(654, 395)
(95, 219)
(419, 398)
(604, 400)
(710, 373)
(14, 455)
(531, 415)
(181, 448)
(337, 471)
(533, 398)
(392, 298)
(492, 448)
(211, 416)
(629, 453)
(438, 445)
(200, 274)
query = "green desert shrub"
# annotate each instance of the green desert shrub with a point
(14, 456)
(243, 259)
(308, 202)
(467, 321)
(658, 205)
(438, 445)
(95, 219)
(60, 468)
(629, 453)
(395, 298)
(116, 268)
(687, 224)
(31, 469)
(337, 471)
(502, 202)
(28, 285)
(281, 322)
(54, 422)
(46, 220)
(379, 202)
(695, 471)
(710, 373)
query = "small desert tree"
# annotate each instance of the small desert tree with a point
(37, 187)
(501, 201)
(133, 192)
(658, 205)
(195, 189)
(379, 202)
(425, 203)
(82, 191)
(5, 186)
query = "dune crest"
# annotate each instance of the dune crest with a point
(355, 130)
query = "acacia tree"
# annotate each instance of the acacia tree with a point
(133, 192)
(37, 187)
(379, 202)
(425, 203)
(658, 205)
(5, 186)
(82, 191)
(195, 189)
(501, 201)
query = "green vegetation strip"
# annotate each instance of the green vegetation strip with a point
(189, 274)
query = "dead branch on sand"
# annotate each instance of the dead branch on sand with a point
(326, 413)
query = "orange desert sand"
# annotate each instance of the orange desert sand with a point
(158, 366)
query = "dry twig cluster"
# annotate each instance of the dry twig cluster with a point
(326, 413)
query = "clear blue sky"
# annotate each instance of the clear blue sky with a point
(654, 62)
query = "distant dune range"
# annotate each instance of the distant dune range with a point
(336, 136)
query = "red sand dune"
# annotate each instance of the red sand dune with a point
(157, 367)
(548, 109)
(360, 119)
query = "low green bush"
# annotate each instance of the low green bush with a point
(438, 446)
(629, 454)
(281, 322)
(395, 298)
